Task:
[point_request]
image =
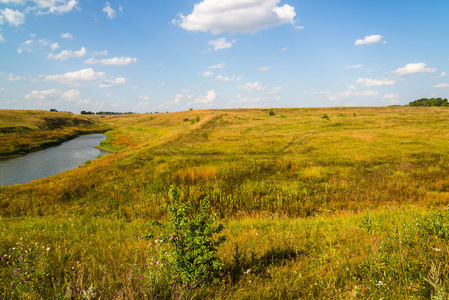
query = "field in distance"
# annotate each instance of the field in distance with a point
(333, 203)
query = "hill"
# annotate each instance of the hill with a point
(324, 203)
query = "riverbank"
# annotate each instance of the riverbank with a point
(22, 132)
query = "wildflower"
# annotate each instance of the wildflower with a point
(380, 283)
(48, 249)
(436, 249)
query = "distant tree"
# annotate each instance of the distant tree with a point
(54, 109)
(429, 102)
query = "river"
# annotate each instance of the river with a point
(51, 161)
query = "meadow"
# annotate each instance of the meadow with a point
(316, 203)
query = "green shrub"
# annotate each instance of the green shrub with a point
(188, 247)
(271, 113)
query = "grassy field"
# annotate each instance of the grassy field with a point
(25, 131)
(319, 203)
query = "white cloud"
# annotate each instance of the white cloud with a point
(67, 35)
(227, 79)
(110, 12)
(12, 77)
(209, 98)
(2, 89)
(72, 95)
(275, 90)
(109, 83)
(236, 16)
(2, 39)
(85, 76)
(66, 54)
(219, 44)
(283, 49)
(120, 8)
(43, 94)
(144, 97)
(390, 96)
(98, 53)
(15, 2)
(55, 6)
(13, 17)
(442, 85)
(218, 66)
(443, 74)
(115, 61)
(413, 68)
(371, 39)
(374, 82)
(26, 46)
(54, 46)
(350, 94)
(263, 69)
(355, 66)
(207, 73)
(255, 86)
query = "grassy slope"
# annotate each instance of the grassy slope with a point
(24, 131)
(364, 178)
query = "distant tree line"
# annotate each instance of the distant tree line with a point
(83, 112)
(429, 102)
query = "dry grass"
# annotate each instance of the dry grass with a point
(336, 208)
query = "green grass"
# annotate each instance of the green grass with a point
(345, 207)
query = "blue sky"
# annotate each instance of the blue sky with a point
(171, 55)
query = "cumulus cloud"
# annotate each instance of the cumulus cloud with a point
(110, 12)
(54, 6)
(263, 69)
(413, 68)
(443, 74)
(207, 73)
(13, 17)
(115, 61)
(72, 95)
(218, 44)
(66, 54)
(67, 35)
(144, 97)
(12, 77)
(209, 98)
(227, 79)
(85, 76)
(236, 16)
(374, 82)
(54, 46)
(218, 66)
(442, 85)
(370, 39)
(255, 86)
(43, 94)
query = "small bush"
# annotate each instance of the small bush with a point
(271, 113)
(192, 243)
(325, 116)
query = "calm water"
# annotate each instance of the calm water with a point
(51, 161)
